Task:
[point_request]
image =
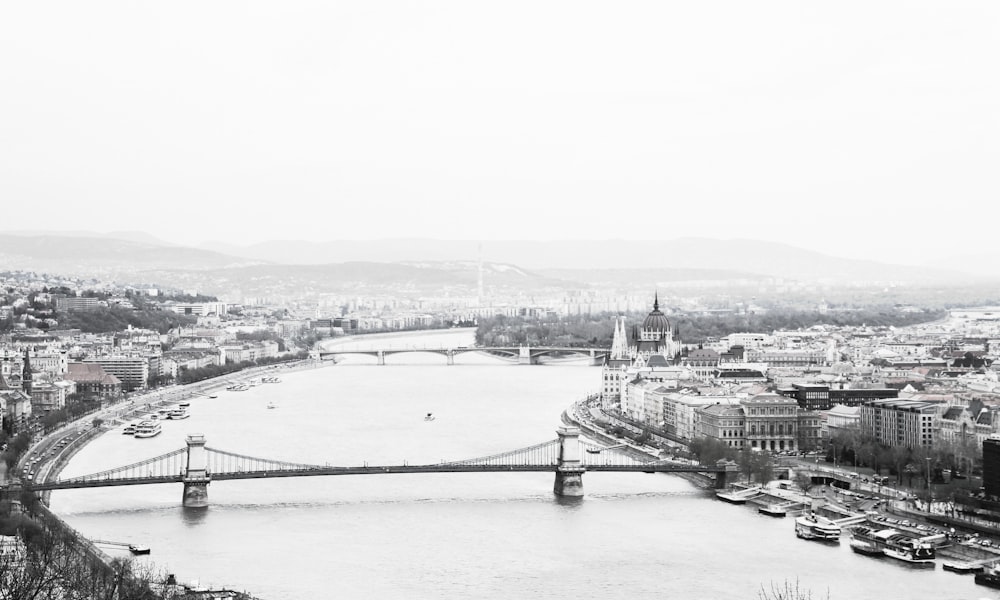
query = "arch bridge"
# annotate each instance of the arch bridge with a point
(197, 465)
(523, 355)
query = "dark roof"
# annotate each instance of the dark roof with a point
(952, 413)
(657, 360)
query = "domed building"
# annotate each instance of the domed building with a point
(654, 345)
(656, 338)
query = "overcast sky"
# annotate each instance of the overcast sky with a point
(860, 129)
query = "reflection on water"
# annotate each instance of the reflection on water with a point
(192, 517)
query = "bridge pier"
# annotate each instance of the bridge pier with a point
(381, 358)
(451, 357)
(596, 360)
(524, 356)
(196, 478)
(569, 470)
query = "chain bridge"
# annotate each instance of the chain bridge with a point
(197, 465)
(523, 355)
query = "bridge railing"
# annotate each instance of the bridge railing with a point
(546, 453)
(171, 463)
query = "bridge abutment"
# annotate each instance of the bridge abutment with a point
(196, 478)
(569, 469)
(722, 478)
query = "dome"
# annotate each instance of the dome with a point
(656, 320)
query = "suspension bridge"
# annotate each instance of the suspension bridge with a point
(197, 465)
(523, 355)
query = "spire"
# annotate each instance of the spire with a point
(656, 301)
(619, 343)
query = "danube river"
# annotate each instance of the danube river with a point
(500, 535)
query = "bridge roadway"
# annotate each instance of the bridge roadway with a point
(522, 354)
(662, 467)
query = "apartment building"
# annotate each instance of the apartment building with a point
(900, 422)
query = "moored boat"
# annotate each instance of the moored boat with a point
(989, 577)
(129, 429)
(148, 429)
(738, 496)
(813, 527)
(178, 412)
(895, 544)
(866, 548)
(773, 510)
(962, 567)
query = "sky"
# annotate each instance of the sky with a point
(859, 129)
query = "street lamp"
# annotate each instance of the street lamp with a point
(928, 459)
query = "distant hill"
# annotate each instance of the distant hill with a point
(103, 256)
(740, 255)
(593, 262)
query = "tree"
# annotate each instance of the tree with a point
(785, 591)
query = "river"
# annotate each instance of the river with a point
(489, 536)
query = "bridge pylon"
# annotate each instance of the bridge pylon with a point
(196, 477)
(569, 469)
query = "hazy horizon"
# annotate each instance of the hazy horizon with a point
(856, 130)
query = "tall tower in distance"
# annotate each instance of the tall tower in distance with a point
(26, 373)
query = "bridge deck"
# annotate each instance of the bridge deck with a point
(373, 470)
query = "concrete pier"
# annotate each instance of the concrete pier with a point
(524, 356)
(569, 471)
(196, 477)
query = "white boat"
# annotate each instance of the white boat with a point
(813, 527)
(148, 429)
(272, 405)
(738, 496)
(178, 412)
(773, 510)
(867, 548)
(129, 429)
(898, 545)
(429, 417)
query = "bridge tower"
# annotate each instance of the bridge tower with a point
(196, 477)
(381, 357)
(569, 470)
(451, 356)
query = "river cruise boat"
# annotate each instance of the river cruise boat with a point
(813, 527)
(148, 429)
(129, 429)
(895, 544)
(178, 412)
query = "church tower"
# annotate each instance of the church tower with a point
(26, 374)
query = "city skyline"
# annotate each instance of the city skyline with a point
(855, 130)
